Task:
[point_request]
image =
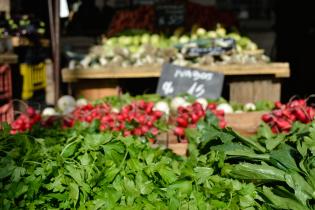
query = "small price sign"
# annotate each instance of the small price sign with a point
(170, 14)
(175, 80)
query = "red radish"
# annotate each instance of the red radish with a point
(126, 133)
(218, 112)
(310, 112)
(137, 131)
(179, 131)
(300, 115)
(222, 124)
(144, 129)
(266, 117)
(212, 106)
(278, 104)
(158, 114)
(31, 111)
(197, 106)
(154, 131)
(194, 118)
(150, 123)
(274, 129)
(283, 124)
(103, 127)
(182, 122)
(302, 102)
(149, 107)
(151, 140)
(142, 104)
(141, 119)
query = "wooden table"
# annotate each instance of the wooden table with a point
(247, 83)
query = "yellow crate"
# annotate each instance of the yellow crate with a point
(34, 78)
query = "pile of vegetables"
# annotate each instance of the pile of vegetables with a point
(82, 168)
(281, 166)
(189, 116)
(145, 116)
(25, 121)
(143, 48)
(140, 18)
(196, 14)
(283, 116)
(25, 26)
(144, 17)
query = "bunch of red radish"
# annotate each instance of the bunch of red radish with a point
(25, 121)
(284, 115)
(137, 118)
(188, 117)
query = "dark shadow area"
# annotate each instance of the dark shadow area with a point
(295, 43)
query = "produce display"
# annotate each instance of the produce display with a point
(283, 116)
(146, 117)
(145, 18)
(25, 26)
(140, 18)
(82, 168)
(141, 48)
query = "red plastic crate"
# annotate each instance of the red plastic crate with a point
(7, 113)
(5, 82)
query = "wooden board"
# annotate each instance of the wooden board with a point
(278, 70)
(93, 90)
(245, 123)
(251, 89)
(8, 58)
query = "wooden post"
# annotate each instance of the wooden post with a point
(51, 88)
(57, 51)
(54, 8)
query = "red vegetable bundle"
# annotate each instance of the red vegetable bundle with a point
(284, 115)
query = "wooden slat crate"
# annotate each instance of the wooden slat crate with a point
(245, 124)
(247, 83)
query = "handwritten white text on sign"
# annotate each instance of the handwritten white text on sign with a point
(195, 75)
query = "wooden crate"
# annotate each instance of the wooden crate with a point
(96, 89)
(245, 124)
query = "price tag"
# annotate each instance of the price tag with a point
(170, 14)
(176, 80)
(215, 47)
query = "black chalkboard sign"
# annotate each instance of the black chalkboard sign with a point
(170, 14)
(215, 47)
(176, 80)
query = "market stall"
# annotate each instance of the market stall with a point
(213, 133)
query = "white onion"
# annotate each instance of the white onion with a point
(66, 103)
(81, 102)
(177, 102)
(203, 102)
(162, 106)
(115, 110)
(249, 107)
(49, 111)
(227, 108)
